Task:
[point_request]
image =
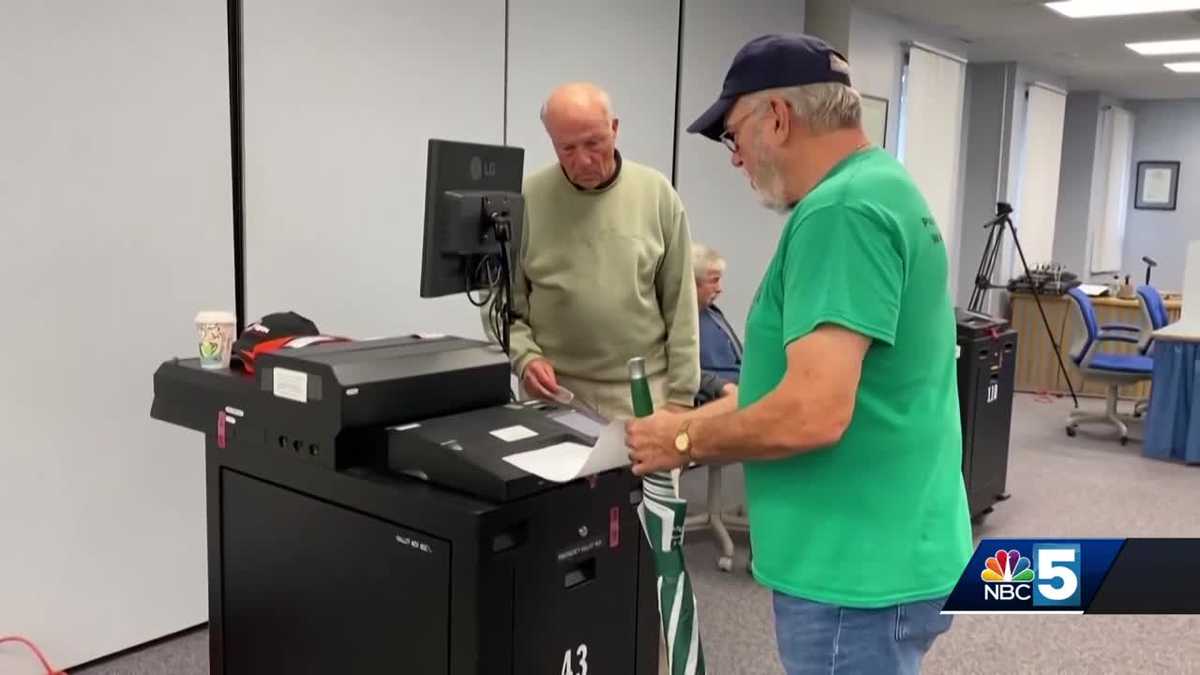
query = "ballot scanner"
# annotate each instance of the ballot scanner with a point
(362, 519)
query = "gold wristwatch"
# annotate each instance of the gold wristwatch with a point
(683, 442)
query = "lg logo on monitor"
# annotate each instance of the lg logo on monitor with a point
(480, 168)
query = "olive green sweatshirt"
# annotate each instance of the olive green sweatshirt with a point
(606, 275)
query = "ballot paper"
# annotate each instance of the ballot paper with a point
(563, 462)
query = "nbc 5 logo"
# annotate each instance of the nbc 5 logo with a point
(1052, 580)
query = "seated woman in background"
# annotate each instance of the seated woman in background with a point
(720, 348)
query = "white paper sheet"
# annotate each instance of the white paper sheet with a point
(1156, 186)
(565, 462)
(1094, 290)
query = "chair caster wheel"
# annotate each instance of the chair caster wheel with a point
(1124, 440)
(1071, 432)
(725, 564)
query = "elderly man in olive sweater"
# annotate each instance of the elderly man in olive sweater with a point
(605, 271)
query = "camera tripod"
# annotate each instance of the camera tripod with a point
(987, 266)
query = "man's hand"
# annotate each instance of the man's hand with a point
(730, 389)
(539, 379)
(651, 443)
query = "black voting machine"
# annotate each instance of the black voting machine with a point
(361, 518)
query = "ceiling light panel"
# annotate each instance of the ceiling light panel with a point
(1163, 47)
(1082, 9)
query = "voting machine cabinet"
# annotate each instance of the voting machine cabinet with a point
(361, 519)
(986, 382)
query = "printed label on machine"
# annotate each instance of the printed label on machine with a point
(580, 549)
(514, 433)
(290, 384)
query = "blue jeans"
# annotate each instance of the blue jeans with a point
(817, 638)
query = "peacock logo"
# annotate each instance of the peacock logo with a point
(1007, 567)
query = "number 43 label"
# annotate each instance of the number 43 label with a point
(569, 657)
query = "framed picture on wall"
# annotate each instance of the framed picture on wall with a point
(1157, 185)
(875, 118)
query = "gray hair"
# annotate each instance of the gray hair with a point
(705, 260)
(828, 106)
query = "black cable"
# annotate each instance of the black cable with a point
(488, 282)
(505, 311)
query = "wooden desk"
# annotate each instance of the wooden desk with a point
(1037, 370)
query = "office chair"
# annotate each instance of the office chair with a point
(1113, 370)
(1154, 316)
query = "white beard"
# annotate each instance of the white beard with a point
(768, 187)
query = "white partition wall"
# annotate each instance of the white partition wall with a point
(115, 205)
(722, 209)
(1037, 203)
(340, 99)
(931, 120)
(629, 47)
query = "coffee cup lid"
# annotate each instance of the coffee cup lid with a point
(215, 317)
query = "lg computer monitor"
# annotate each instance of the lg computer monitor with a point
(465, 184)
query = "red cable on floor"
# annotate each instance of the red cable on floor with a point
(37, 652)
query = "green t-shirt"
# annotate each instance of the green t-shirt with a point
(881, 517)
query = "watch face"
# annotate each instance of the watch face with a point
(681, 442)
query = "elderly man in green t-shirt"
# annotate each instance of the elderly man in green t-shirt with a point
(847, 418)
(605, 270)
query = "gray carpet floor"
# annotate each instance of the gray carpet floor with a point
(1087, 486)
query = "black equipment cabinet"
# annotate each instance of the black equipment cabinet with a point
(313, 571)
(986, 377)
(329, 557)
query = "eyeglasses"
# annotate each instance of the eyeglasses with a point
(729, 138)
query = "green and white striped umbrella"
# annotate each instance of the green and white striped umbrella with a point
(662, 513)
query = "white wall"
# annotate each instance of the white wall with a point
(722, 209)
(629, 47)
(830, 21)
(115, 204)
(340, 99)
(1170, 131)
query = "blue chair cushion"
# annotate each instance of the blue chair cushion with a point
(1122, 363)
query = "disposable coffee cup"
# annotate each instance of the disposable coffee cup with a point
(215, 332)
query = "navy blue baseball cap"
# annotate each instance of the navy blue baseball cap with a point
(767, 62)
